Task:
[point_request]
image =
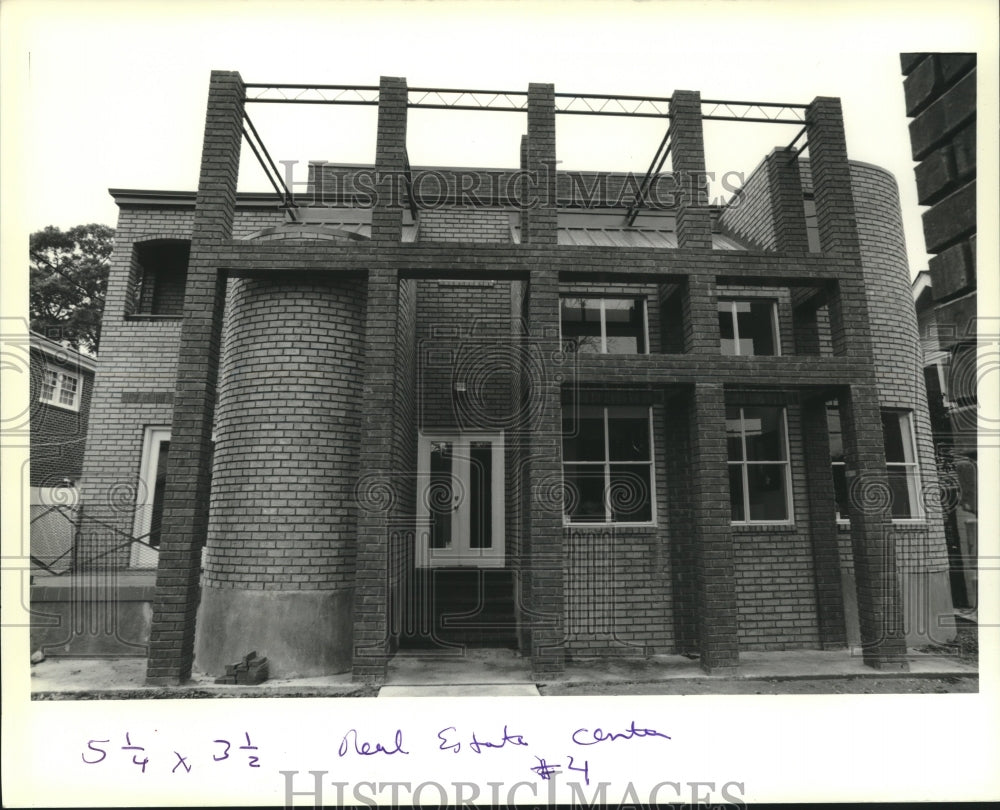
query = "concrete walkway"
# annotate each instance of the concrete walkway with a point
(476, 672)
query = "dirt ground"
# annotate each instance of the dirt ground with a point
(771, 686)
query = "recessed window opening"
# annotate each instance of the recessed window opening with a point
(759, 470)
(160, 277)
(749, 327)
(608, 465)
(902, 470)
(604, 325)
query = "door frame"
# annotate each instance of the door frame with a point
(461, 555)
(143, 556)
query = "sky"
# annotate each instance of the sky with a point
(112, 94)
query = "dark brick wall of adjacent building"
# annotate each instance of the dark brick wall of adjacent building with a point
(940, 94)
(58, 435)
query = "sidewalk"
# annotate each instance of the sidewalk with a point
(476, 673)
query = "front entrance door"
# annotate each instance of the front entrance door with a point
(461, 593)
(460, 501)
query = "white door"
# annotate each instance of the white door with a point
(460, 500)
(149, 496)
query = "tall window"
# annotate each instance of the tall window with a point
(759, 473)
(605, 325)
(61, 388)
(900, 462)
(749, 327)
(608, 465)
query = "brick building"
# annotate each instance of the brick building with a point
(62, 381)
(400, 416)
(940, 93)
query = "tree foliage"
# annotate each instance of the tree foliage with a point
(69, 279)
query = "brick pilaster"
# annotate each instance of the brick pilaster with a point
(547, 555)
(371, 614)
(879, 600)
(823, 525)
(687, 156)
(538, 217)
(715, 575)
(185, 515)
(390, 161)
(539, 227)
(701, 315)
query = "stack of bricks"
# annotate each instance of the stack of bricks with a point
(251, 670)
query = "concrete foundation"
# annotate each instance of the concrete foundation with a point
(93, 613)
(302, 633)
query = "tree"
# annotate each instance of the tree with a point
(69, 279)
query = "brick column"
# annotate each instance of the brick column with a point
(701, 315)
(823, 525)
(546, 556)
(185, 514)
(787, 210)
(879, 601)
(371, 614)
(687, 156)
(390, 160)
(715, 575)
(831, 173)
(539, 220)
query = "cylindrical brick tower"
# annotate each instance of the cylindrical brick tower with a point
(921, 552)
(279, 565)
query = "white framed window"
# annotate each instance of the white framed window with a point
(901, 465)
(609, 325)
(749, 327)
(607, 460)
(760, 481)
(837, 465)
(149, 495)
(61, 388)
(460, 500)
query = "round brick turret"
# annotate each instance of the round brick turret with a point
(279, 565)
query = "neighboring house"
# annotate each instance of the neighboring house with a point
(62, 381)
(399, 419)
(950, 412)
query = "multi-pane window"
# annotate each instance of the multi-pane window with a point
(604, 325)
(61, 388)
(607, 465)
(759, 474)
(900, 462)
(749, 327)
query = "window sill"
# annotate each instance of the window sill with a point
(772, 526)
(567, 525)
(916, 523)
(61, 406)
(150, 317)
